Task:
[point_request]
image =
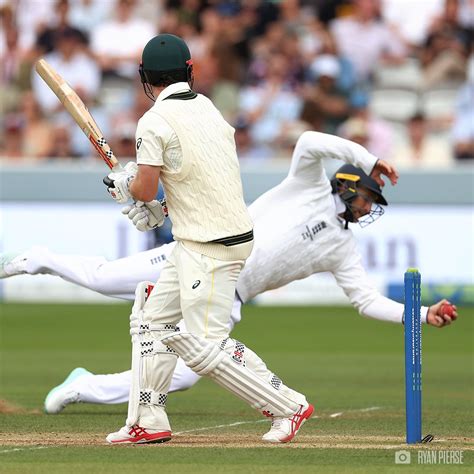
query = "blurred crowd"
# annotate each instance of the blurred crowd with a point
(396, 76)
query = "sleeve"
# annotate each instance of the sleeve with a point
(312, 147)
(353, 279)
(149, 146)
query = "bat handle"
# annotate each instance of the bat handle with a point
(108, 182)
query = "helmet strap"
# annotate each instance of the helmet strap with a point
(190, 73)
(148, 89)
(145, 83)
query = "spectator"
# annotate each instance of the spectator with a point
(463, 128)
(61, 146)
(246, 150)
(12, 139)
(411, 18)
(87, 15)
(31, 17)
(123, 140)
(46, 39)
(444, 54)
(118, 43)
(422, 150)
(272, 104)
(81, 72)
(11, 60)
(379, 134)
(364, 39)
(37, 131)
(188, 12)
(325, 106)
(312, 38)
(230, 53)
(356, 130)
(201, 44)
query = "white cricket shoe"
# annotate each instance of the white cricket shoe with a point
(12, 264)
(62, 395)
(138, 435)
(284, 430)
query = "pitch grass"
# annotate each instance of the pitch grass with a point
(345, 365)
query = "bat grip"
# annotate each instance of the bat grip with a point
(108, 182)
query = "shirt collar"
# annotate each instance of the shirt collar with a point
(172, 89)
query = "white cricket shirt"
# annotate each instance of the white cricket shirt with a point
(298, 232)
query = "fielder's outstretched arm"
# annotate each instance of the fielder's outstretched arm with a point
(353, 279)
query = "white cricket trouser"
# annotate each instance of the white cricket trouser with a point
(118, 278)
(115, 388)
(201, 291)
(196, 288)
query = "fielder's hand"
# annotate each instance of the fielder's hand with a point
(383, 168)
(441, 314)
(145, 216)
(118, 183)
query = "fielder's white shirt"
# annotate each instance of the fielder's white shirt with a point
(298, 232)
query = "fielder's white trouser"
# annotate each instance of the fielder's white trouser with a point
(109, 389)
(118, 278)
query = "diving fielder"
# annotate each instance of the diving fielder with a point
(282, 253)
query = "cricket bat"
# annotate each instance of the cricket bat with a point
(78, 112)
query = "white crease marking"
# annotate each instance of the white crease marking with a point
(207, 428)
(220, 426)
(24, 449)
(237, 423)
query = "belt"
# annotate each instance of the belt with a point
(235, 239)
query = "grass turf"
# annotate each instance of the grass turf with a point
(344, 364)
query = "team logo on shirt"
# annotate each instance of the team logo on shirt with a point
(139, 142)
(310, 232)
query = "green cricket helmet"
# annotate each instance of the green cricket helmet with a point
(165, 60)
(349, 182)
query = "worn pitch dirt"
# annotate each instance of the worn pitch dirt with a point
(234, 441)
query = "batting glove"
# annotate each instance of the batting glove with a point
(145, 216)
(118, 183)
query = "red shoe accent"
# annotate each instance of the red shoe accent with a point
(297, 420)
(140, 435)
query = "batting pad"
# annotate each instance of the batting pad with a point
(153, 364)
(207, 358)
